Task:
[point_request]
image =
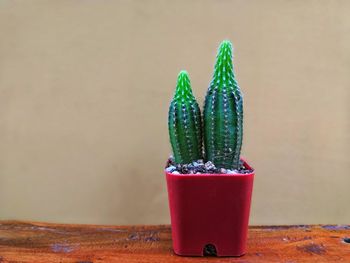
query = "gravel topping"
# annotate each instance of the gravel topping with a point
(200, 167)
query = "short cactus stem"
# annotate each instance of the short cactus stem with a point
(223, 113)
(184, 123)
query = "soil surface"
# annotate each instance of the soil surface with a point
(201, 167)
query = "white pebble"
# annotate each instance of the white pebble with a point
(223, 171)
(175, 172)
(209, 165)
(170, 168)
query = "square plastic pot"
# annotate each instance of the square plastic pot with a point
(210, 212)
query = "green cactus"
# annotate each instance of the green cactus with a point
(184, 123)
(223, 113)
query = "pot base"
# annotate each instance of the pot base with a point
(210, 210)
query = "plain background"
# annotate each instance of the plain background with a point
(85, 88)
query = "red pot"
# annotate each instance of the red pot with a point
(210, 210)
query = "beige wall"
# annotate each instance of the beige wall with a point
(84, 93)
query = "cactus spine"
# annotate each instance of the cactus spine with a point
(184, 123)
(223, 113)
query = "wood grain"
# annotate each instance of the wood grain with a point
(44, 242)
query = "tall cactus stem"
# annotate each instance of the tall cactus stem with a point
(223, 113)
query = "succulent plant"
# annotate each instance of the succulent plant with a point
(223, 113)
(222, 117)
(184, 123)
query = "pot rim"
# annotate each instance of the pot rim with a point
(245, 163)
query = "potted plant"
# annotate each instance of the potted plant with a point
(209, 186)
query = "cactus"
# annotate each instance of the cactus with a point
(184, 123)
(223, 113)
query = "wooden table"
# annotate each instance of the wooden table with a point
(43, 242)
